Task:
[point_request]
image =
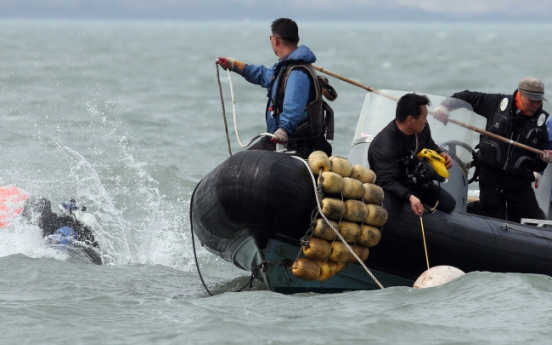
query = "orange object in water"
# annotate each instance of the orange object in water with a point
(12, 200)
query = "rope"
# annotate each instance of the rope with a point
(333, 228)
(286, 263)
(254, 274)
(234, 115)
(507, 227)
(193, 242)
(262, 266)
(223, 112)
(425, 246)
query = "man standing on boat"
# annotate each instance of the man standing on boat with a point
(295, 111)
(407, 134)
(506, 171)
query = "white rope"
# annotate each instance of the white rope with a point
(333, 228)
(235, 117)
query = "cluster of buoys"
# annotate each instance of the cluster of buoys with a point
(352, 204)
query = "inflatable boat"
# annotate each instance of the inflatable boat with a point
(255, 209)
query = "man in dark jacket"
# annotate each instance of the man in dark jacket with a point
(505, 170)
(295, 109)
(406, 136)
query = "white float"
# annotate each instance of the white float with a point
(436, 276)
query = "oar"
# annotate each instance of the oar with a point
(350, 81)
(465, 125)
(496, 136)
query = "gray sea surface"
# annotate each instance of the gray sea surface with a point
(126, 118)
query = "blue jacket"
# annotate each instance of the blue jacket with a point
(299, 91)
(549, 126)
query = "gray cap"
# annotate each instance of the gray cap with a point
(532, 88)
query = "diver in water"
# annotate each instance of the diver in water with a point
(71, 231)
(58, 229)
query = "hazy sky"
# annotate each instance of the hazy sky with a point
(358, 10)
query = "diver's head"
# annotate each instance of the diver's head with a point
(36, 209)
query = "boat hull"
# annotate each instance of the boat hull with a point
(278, 278)
(253, 209)
(466, 241)
(261, 193)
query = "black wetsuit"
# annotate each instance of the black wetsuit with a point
(388, 149)
(37, 211)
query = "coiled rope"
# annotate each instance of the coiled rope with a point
(333, 228)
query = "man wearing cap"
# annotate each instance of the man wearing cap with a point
(294, 99)
(505, 170)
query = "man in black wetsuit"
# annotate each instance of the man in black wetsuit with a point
(38, 211)
(408, 134)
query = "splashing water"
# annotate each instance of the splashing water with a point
(135, 225)
(153, 235)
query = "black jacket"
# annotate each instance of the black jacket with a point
(386, 151)
(505, 119)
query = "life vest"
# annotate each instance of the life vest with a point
(319, 120)
(499, 154)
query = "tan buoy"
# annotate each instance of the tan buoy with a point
(333, 208)
(363, 174)
(318, 249)
(436, 276)
(352, 189)
(340, 165)
(355, 211)
(349, 231)
(369, 236)
(341, 266)
(327, 270)
(340, 252)
(361, 251)
(323, 230)
(331, 182)
(377, 215)
(319, 160)
(305, 269)
(373, 194)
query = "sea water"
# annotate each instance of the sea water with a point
(126, 117)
